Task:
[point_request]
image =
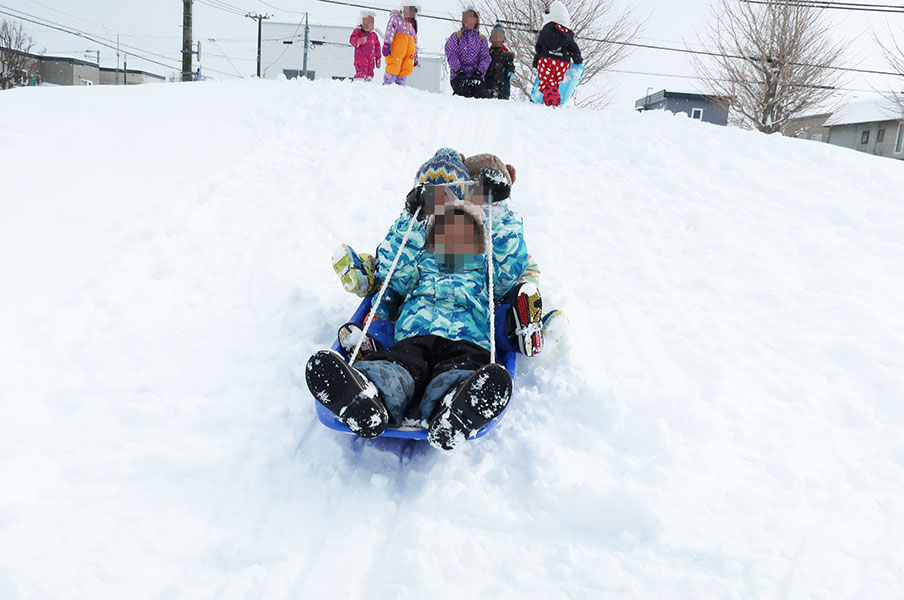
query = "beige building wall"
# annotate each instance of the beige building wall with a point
(108, 77)
(809, 128)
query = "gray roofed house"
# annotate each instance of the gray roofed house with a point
(702, 107)
(66, 70)
(875, 126)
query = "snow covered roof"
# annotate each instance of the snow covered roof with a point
(873, 110)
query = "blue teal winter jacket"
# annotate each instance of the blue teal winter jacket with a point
(451, 305)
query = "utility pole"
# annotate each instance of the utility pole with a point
(260, 20)
(125, 69)
(186, 41)
(117, 59)
(306, 31)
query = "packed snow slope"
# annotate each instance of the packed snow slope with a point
(726, 419)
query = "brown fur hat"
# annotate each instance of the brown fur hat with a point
(475, 163)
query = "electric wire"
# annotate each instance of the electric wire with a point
(526, 28)
(134, 51)
(850, 6)
(234, 10)
(286, 49)
(141, 53)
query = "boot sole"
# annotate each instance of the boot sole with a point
(343, 392)
(480, 399)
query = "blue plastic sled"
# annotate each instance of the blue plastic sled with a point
(566, 88)
(507, 359)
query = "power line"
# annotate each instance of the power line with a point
(47, 6)
(425, 16)
(227, 57)
(526, 28)
(852, 6)
(136, 51)
(294, 12)
(232, 6)
(234, 10)
(80, 34)
(284, 51)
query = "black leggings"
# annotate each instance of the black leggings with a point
(426, 356)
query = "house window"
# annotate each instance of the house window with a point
(816, 137)
(880, 137)
(697, 113)
(899, 143)
(864, 137)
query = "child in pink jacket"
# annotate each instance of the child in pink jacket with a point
(367, 48)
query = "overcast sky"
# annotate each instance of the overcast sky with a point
(154, 28)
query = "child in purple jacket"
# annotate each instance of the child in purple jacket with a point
(367, 48)
(468, 55)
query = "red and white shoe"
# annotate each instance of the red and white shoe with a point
(527, 312)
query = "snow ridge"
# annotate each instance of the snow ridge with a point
(724, 419)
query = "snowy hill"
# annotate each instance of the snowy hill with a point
(727, 420)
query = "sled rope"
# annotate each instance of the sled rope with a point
(489, 245)
(376, 304)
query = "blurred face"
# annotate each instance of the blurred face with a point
(368, 23)
(496, 40)
(469, 19)
(455, 237)
(410, 12)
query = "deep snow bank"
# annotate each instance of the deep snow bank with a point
(727, 421)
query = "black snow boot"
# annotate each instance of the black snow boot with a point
(480, 399)
(346, 393)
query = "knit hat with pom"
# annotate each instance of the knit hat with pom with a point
(446, 166)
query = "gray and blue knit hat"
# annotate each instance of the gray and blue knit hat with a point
(498, 28)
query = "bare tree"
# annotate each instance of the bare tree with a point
(773, 59)
(600, 30)
(15, 63)
(894, 55)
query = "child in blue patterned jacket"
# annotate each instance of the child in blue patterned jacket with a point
(520, 327)
(441, 291)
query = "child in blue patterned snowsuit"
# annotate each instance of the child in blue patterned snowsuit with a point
(514, 332)
(443, 330)
(440, 290)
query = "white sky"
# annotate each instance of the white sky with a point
(156, 27)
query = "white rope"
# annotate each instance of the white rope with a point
(376, 304)
(489, 244)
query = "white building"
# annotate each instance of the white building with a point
(330, 56)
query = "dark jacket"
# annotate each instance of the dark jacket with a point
(557, 42)
(499, 75)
